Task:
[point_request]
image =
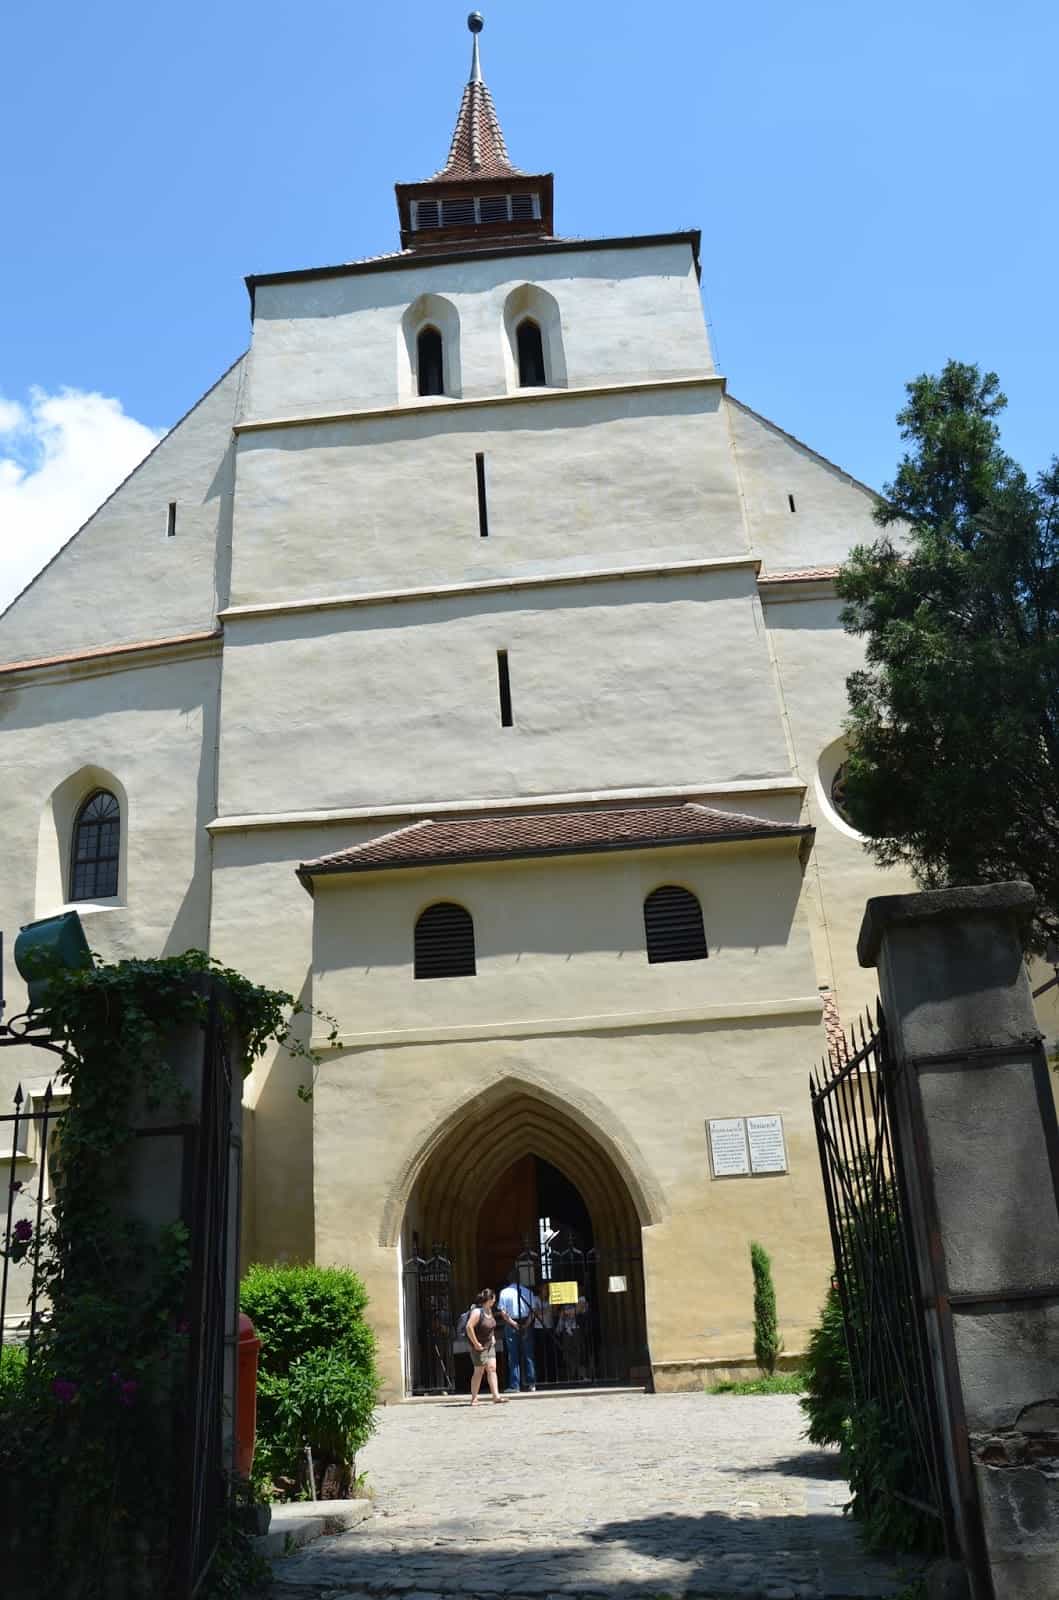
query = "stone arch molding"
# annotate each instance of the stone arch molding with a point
(583, 1110)
(55, 838)
(430, 311)
(530, 300)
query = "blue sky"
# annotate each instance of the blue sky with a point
(874, 187)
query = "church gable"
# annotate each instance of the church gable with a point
(153, 561)
(802, 510)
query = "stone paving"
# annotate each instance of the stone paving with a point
(617, 1496)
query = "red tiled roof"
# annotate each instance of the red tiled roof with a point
(833, 1030)
(800, 575)
(478, 149)
(550, 833)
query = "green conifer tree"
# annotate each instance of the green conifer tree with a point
(767, 1341)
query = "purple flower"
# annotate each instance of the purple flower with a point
(64, 1391)
(23, 1231)
(128, 1391)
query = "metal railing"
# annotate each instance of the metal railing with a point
(857, 1135)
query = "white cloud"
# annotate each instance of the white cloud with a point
(61, 455)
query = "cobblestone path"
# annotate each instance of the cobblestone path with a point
(622, 1496)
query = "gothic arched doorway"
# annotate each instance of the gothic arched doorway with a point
(519, 1189)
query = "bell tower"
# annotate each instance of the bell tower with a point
(478, 197)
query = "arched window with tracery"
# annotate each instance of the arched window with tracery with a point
(531, 371)
(430, 361)
(673, 925)
(96, 848)
(444, 942)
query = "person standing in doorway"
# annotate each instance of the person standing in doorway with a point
(519, 1311)
(481, 1336)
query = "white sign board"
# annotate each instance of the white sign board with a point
(767, 1150)
(728, 1151)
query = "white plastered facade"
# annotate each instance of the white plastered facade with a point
(311, 662)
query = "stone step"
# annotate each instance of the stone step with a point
(300, 1522)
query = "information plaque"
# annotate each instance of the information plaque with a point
(563, 1294)
(768, 1152)
(728, 1151)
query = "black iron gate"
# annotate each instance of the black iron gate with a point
(857, 1134)
(588, 1325)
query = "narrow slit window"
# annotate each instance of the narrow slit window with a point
(531, 374)
(790, 501)
(483, 508)
(503, 680)
(170, 521)
(430, 362)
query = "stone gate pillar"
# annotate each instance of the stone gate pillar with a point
(979, 1150)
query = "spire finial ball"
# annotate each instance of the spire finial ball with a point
(476, 22)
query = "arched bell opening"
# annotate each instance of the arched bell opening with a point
(523, 1192)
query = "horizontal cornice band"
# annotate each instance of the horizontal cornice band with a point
(447, 404)
(809, 1006)
(110, 657)
(526, 802)
(472, 586)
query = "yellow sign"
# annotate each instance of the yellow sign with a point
(562, 1294)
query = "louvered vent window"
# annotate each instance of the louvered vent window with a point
(673, 924)
(465, 211)
(444, 942)
(458, 213)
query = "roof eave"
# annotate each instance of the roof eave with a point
(641, 241)
(800, 831)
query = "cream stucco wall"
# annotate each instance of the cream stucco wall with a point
(573, 482)
(650, 681)
(153, 729)
(337, 344)
(659, 1086)
(832, 510)
(815, 657)
(121, 579)
(562, 938)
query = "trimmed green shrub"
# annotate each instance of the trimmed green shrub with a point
(828, 1399)
(317, 1383)
(767, 1341)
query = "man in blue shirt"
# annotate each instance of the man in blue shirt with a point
(519, 1310)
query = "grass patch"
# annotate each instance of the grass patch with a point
(778, 1383)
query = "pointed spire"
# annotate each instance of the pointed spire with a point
(478, 149)
(476, 22)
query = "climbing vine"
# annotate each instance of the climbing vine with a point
(89, 1425)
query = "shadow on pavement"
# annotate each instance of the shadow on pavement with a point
(814, 1555)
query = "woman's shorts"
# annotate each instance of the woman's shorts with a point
(482, 1358)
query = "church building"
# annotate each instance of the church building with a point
(467, 662)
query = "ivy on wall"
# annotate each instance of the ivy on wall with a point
(88, 1427)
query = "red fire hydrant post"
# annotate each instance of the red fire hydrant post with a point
(246, 1397)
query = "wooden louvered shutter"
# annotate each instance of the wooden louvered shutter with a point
(673, 924)
(444, 942)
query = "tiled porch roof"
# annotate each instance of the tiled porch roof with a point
(551, 833)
